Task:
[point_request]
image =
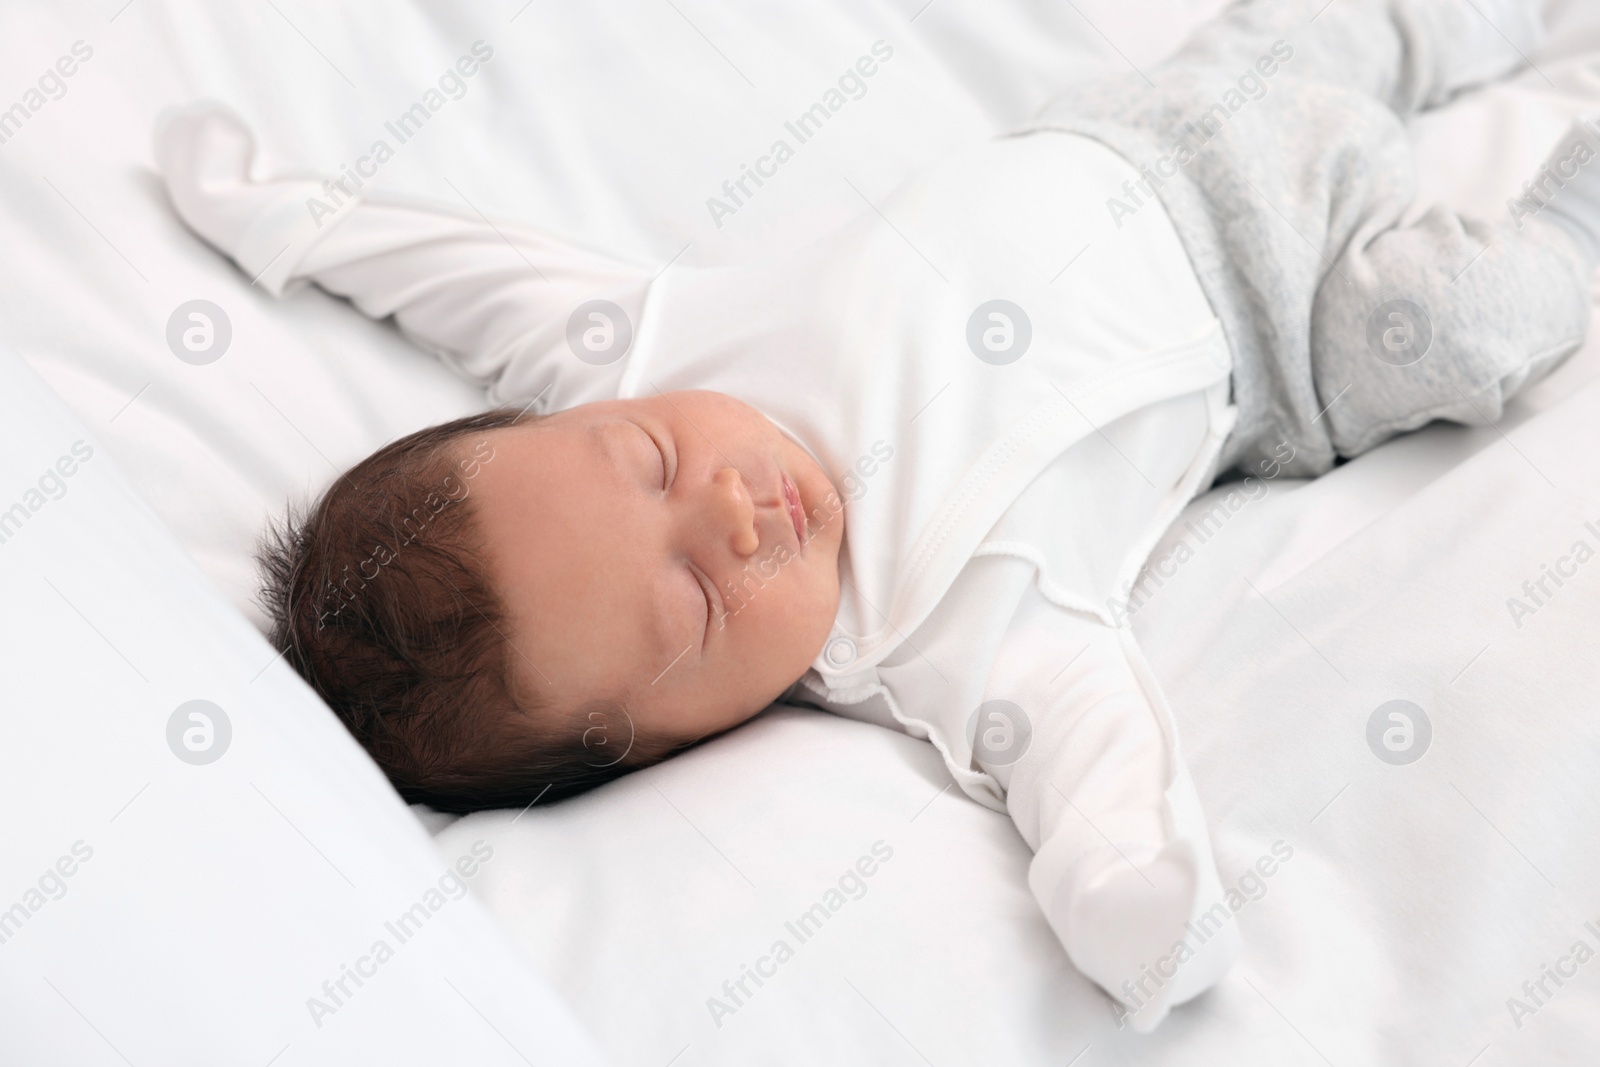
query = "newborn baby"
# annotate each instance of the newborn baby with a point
(909, 483)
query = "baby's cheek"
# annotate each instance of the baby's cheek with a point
(814, 606)
(786, 604)
(770, 613)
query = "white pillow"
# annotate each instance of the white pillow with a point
(179, 889)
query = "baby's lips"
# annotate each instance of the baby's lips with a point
(791, 499)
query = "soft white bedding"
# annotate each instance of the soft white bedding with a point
(201, 865)
(1417, 899)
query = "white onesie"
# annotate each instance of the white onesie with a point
(1015, 397)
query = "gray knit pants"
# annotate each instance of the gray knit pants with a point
(1275, 140)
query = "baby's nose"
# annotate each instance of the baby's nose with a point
(735, 512)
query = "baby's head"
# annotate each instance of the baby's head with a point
(506, 607)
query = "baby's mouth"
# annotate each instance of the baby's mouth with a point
(797, 511)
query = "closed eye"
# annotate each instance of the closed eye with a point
(661, 455)
(669, 465)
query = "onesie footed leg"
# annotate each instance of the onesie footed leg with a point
(1448, 317)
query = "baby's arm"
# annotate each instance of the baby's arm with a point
(1122, 856)
(492, 300)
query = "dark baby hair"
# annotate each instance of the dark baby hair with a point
(378, 597)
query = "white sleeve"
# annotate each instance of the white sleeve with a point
(493, 300)
(1122, 865)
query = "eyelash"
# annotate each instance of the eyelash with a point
(668, 476)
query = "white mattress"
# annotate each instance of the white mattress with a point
(1418, 898)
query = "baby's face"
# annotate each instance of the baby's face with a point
(647, 552)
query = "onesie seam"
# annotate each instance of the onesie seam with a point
(1098, 386)
(1043, 416)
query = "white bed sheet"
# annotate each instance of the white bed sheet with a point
(214, 879)
(610, 123)
(1417, 900)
